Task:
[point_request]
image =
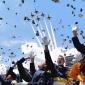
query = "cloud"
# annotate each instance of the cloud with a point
(28, 47)
(9, 43)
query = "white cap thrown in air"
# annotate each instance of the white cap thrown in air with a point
(74, 27)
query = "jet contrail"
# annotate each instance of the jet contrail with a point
(35, 33)
(42, 29)
(48, 33)
(39, 30)
(55, 45)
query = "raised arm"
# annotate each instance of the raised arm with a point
(80, 47)
(32, 66)
(48, 59)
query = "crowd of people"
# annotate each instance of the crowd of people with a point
(49, 73)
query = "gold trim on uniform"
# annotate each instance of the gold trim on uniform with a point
(61, 79)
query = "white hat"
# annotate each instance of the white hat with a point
(74, 27)
(45, 40)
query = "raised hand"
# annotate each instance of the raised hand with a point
(45, 41)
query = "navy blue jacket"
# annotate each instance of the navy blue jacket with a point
(5, 82)
(56, 70)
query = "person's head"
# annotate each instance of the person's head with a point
(11, 76)
(60, 60)
(43, 66)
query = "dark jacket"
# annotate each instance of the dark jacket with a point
(8, 82)
(24, 73)
(56, 70)
(80, 47)
(41, 77)
(5, 82)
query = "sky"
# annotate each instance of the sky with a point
(15, 31)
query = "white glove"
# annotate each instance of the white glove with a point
(74, 27)
(45, 41)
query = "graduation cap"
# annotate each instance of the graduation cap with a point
(36, 11)
(6, 23)
(33, 22)
(49, 17)
(3, 52)
(28, 19)
(54, 29)
(1, 18)
(37, 33)
(64, 54)
(81, 32)
(16, 13)
(15, 26)
(22, 1)
(1, 48)
(37, 25)
(83, 37)
(81, 10)
(68, 5)
(32, 15)
(33, 38)
(72, 6)
(38, 18)
(66, 47)
(73, 0)
(8, 8)
(72, 12)
(76, 22)
(64, 39)
(20, 5)
(3, 2)
(34, 1)
(62, 35)
(42, 14)
(62, 26)
(80, 15)
(70, 41)
(25, 18)
(74, 15)
(12, 53)
(43, 30)
(55, 1)
(13, 36)
(68, 37)
(13, 62)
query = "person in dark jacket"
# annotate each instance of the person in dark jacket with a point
(41, 76)
(10, 76)
(24, 73)
(58, 72)
(81, 48)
